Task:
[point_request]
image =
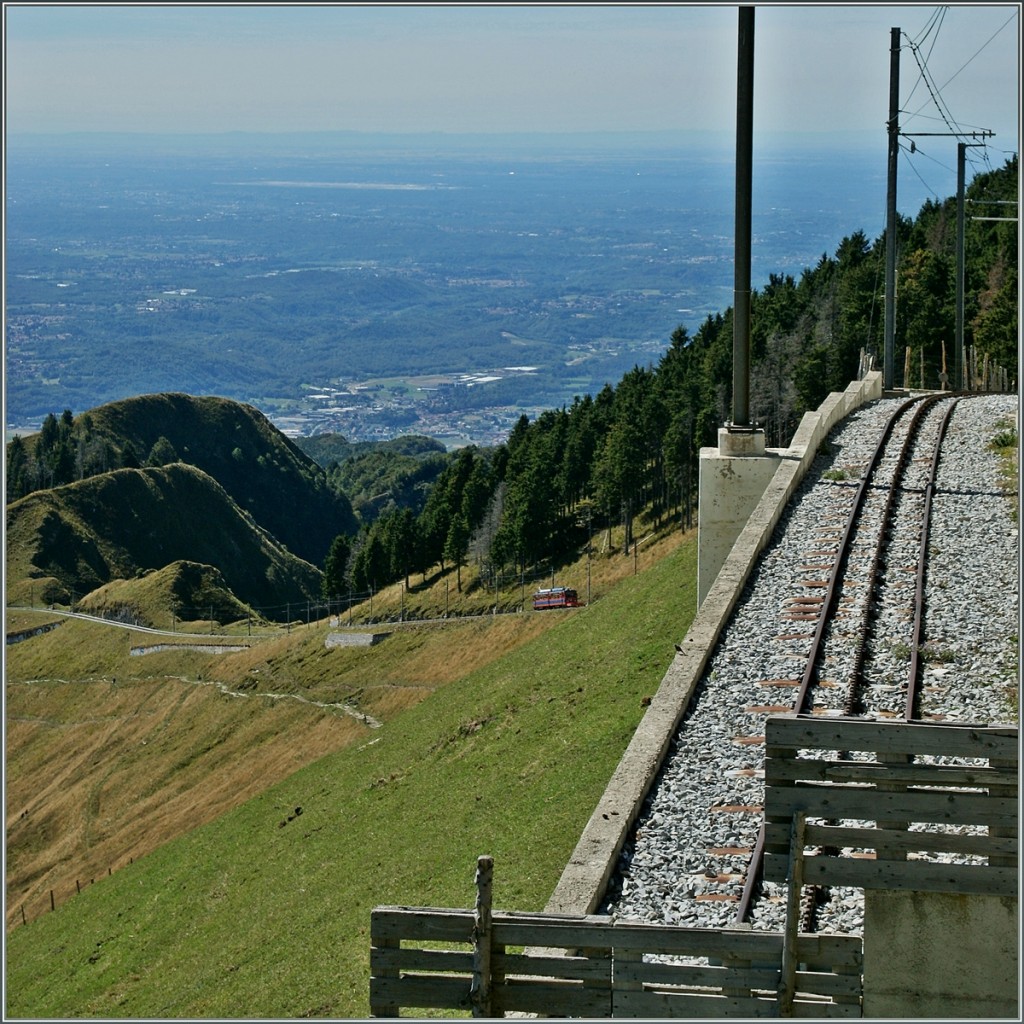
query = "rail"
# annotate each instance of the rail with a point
(917, 408)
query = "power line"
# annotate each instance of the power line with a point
(930, 25)
(934, 23)
(933, 91)
(980, 48)
(913, 166)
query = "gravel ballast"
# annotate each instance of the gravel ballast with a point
(685, 860)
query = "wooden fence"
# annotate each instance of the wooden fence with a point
(490, 964)
(892, 821)
(888, 818)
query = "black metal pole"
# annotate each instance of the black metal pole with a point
(889, 341)
(744, 175)
(958, 344)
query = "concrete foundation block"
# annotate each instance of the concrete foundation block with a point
(940, 955)
(353, 639)
(733, 477)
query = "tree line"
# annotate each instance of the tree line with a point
(538, 497)
(635, 446)
(68, 448)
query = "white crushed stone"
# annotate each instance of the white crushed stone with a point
(682, 847)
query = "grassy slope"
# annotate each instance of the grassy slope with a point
(254, 914)
(149, 749)
(153, 596)
(104, 527)
(264, 472)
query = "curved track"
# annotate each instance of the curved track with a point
(853, 640)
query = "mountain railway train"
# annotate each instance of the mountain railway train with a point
(555, 597)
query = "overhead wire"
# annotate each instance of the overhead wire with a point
(980, 48)
(907, 151)
(985, 150)
(925, 76)
(934, 23)
(934, 93)
(931, 30)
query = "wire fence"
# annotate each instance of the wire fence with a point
(56, 897)
(490, 592)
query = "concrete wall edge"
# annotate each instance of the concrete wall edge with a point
(582, 886)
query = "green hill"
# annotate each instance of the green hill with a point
(328, 448)
(281, 487)
(264, 911)
(119, 524)
(376, 475)
(159, 596)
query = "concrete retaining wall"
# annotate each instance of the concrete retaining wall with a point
(353, 639)
(940, 955)
(27, 634)
(137, 652)
(585, 879)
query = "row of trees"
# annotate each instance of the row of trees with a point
(635, 446)
(68, 449)
(599, 461)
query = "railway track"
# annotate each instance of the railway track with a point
(876, 569)
(852, 639)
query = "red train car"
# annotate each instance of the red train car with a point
(556, 597)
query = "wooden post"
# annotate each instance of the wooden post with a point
(737, 966)
(381, 942)
(52, 907)
(906, 368)
(787, 976)
(480, 989)
(23, 918)
(995, 859)
(625, 964)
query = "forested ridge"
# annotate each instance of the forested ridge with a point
(285, 490)
(572, 470)
(532, 501)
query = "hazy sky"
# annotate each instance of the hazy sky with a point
(528, 67)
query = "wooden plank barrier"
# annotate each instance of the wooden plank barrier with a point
(964, 806)
(564, 966)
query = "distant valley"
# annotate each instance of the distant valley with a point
(374, 288)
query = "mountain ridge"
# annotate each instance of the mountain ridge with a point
(86, 534)
(265, 472)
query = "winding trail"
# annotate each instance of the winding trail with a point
(342, 707)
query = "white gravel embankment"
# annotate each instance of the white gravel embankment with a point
(702, 816)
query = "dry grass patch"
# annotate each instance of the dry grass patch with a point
(140, 763)
(458, 648)
(265, 912)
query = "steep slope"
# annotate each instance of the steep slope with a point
(160, 597)
(284, 490)
(265, 911)
(118, 524)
